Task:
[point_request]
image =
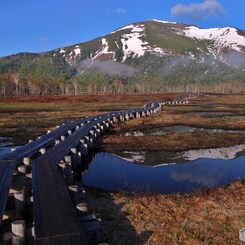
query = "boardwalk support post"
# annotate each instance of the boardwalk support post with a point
(82, 208)
(76, 193)
(57, 142)
(74, 158)
(18, 228)
(23, 169)
(19, 204)
(43, 150)
(27, 161)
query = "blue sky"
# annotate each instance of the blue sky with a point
(42, 25)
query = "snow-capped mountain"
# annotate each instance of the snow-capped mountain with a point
(160, 38)
(171, 50)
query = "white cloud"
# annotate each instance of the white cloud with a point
(208, 8)
(43, 39)
(121, 11)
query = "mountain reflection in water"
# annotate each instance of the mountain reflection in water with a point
(112, 173)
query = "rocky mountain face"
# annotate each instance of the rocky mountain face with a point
(173, 52)
(170, 42)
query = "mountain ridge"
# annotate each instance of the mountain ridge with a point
(170, 53)
(138, 31)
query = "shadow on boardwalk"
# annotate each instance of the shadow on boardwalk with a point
(116, 226)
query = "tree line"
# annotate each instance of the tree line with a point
(45, 74)
(15, 84)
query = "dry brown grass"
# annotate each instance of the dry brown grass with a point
(207, 217)
(206, 112)
(213, 111)
(182, 141)
(26, 118)
(214, 216)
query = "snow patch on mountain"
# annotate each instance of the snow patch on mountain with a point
(157, 51)
(105, 45)
(104, 50)
(117, 45)
(77, 51)
(164, 21)
(132, 42)
(124, 28)
(72, 55)
(191, 56)
(222, 37)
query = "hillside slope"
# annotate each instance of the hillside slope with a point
(167, 53)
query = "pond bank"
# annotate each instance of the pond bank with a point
(179, 128)
(214, 216)
(173, 141)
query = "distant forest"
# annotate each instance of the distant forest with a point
(14, 84)
(36, 75)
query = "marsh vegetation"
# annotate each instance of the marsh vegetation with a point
(212, 216)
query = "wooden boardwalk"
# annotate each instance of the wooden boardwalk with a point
(6, 176)
(55, 216)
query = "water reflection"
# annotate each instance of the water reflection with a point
(108, 172)
(5, 145)
(6, 141)
(164, 157)
(179, 128)
(206, 172)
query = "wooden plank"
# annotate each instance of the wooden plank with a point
(26, 151)
(54, 212)
(58, 152)
(33, 147)
(6, 176)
